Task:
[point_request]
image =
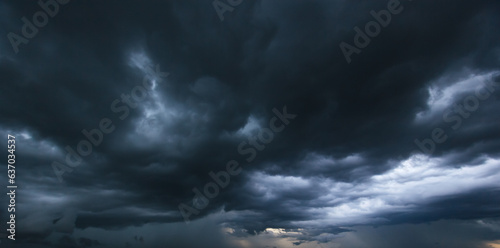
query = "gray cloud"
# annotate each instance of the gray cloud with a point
(348, 160)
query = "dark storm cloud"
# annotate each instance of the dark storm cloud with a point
(345, 160)
(450, 233)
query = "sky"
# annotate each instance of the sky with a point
(238, 123)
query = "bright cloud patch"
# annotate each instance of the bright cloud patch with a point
(443, 93)
(411, 184)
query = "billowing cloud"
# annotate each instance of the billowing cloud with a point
(121, 111)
